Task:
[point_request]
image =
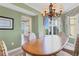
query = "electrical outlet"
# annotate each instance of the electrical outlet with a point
(12, 43)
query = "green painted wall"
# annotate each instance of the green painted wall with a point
(40, 23)
(63, 22)
(10, 36)
(35, 25)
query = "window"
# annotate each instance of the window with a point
(72, 27)
(26, 24)
(52, 27)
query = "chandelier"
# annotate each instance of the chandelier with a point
(52, 11)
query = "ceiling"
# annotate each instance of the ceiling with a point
(42, 6)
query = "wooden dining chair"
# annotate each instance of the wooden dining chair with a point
(3, 49)
(76, 51)
(64, 41)
(32, 37)
(73, 50)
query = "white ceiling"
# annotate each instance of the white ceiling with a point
(41, 6)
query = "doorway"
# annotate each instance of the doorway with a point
(25, 27)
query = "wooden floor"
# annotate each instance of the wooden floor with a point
(68, 51)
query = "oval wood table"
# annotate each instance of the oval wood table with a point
(45, 47)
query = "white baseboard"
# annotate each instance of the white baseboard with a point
(14, 51)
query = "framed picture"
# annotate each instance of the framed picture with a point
(6, 23)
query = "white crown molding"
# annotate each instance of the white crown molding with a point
(18, 9)
(33, 7)
(38, 6)
(71, 8)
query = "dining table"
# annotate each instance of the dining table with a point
(48, 46)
